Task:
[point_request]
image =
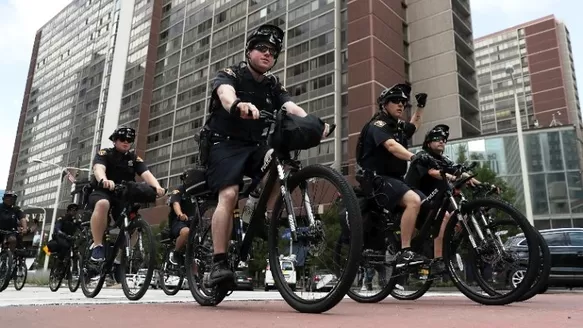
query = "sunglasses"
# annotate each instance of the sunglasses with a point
(124, 139)
(399, 101)
(265, 48)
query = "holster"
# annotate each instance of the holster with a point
(204, 144)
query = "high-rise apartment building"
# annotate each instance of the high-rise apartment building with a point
(540, 53)
(426, 42)
(156, 67)
(64, 89)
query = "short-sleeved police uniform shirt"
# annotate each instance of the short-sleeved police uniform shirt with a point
(10, 217)
(179, 195)
(120, 166)
(67, 224)
(268, 94)
(378, 158)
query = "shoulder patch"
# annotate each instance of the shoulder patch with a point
(379, 123)
(102, 152)
(175, 191)
(139, 159)
(282, 88)
(229, 71)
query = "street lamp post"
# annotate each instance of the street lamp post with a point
(523, 167)
(56, 205)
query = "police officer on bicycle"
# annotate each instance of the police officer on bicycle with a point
(382, 151)
(236, 144)
(181, 208)
(427, 180)
(111, 166)
(11, 217)
(65, 228)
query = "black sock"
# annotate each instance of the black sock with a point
(222, 257)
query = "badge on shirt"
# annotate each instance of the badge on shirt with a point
(229, 71)
(130, 163)
(380, 123)
(102, 152)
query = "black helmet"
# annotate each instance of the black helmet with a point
(397, 91)
(9, 193)
(266, 33)
(72, 207)
(438, 132)
(125, 132)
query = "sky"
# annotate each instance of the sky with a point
(20, 19)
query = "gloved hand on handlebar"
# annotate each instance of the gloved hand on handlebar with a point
(426, 160)
(108, 184)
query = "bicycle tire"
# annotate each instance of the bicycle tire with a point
(16, 285)
(168, 290)
(542, 279)
(531, 238)
(9, 262)
(356, 239)
(416, 295)
(151, 249)
(84, 259)
(386, 290)
(72, 286)
(197, 228)
(58, 280)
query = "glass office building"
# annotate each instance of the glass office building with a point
(553, 160)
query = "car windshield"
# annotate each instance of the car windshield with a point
(287, 266)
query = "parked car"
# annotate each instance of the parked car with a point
(566, 248)
(244, 281)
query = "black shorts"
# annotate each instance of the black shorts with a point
(97, 195)
(177, 225)
(230, 160)
(389, 191)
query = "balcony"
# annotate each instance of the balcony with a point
(463, 6)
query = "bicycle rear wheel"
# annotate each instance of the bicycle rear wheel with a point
(490, 251)
(347, 271)
(198, 260)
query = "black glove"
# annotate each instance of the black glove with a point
(426, 160)
(421, 99)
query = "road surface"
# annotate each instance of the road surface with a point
(34, 306)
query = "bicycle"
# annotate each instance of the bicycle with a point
(484, 242)
(199, 246)
(12, 264)
(128, 222)
(68, 266)
(168, 243)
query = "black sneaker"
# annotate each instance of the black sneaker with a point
(438, 267)
(221, 274)
(408, 257)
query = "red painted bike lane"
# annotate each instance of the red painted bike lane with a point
(563, 310)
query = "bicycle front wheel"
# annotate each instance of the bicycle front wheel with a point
(142, 252)
(331, 220)
(6, 261)
(489, 256)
